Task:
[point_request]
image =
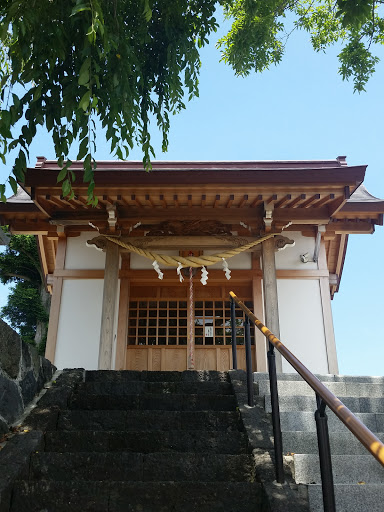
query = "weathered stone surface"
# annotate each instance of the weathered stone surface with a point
(22, 374)
(3, 426)
(28, 387)
(10, 350)
(14, 463)
(11, 404)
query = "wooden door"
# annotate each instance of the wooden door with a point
(159, 327)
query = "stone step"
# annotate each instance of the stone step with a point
(121, 420)
(305, 421)
(340, 389)
(262, 376)
(342, 443)
(148, 376)
(308, 403)
(352, 469)
(198, 441)
(153, 402)
(350, 498)
(83, 496)
(123, 388)
(149, 467)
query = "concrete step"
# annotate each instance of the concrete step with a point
(153, 402)
(342, 443)
(308, 403)
(128, 421)
(340, 389)
(149, 467)
(347, 469)
(350, 498)
(147, 376)
(123, 388)
(139, 496)
(197, 441)
(302, 420)
(262, 376)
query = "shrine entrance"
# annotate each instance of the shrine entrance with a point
(161, 323)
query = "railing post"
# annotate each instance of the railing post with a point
(248, 360)
(233, 333)
(279, 466)
(325, 456)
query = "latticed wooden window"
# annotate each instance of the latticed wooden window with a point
(213, 323)
(157, 323)
(165, 322)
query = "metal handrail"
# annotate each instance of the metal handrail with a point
(324, 398)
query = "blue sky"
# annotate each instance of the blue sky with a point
(298, 110)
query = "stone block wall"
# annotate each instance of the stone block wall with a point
(22, 375)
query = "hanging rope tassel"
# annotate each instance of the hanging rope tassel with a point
(204, 276)
(178, 270)
(226, 269)
(155, 265)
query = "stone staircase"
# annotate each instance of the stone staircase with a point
(358, 477)
(133, 442)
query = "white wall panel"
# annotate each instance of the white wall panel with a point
(301, 323)
(78, 333)
(289, 258)
(242, 261)
(79, 256)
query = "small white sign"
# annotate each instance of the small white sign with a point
(209, 331)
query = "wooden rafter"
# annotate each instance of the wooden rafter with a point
(326, 199)
(243, 201)
(296, 202)
(283, 201)
(230, 201)
(310, 201)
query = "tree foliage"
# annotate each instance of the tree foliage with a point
(64, 64)
(27, 308)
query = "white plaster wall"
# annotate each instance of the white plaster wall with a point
(289, 258)
(79, 256)
(301, 323)
(78, 333)
(242, 261)
(140, 263)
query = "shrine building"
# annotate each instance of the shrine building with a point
(142, 280)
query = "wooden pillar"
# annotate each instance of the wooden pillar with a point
(327, 313)
(111, 279)
(271, 307)
(122, 322)
(54, 315)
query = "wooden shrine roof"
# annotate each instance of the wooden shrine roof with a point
(306, 193)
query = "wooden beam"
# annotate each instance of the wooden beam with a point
(111, 277)
(296, 201)
(271, 199)
(258, 200)
(350, 227)
(163, 201)
(283, 201)
(230, 201)
(175, 200)
(217, 201)
(243, 201)
(324, 200)
(135, 199)
(310, 201)
(302, 215)
(149, 200)
(189, 200)
(203, 200)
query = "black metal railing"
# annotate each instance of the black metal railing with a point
(324, 398)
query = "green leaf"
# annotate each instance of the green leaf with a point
(83, 149)
(85, 100)
(80, 8)
(13, 184)
(84, 72)
(62, 174)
